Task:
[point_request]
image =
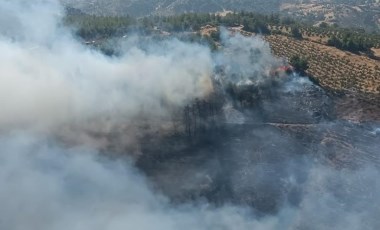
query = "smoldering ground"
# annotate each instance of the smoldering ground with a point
(60, 99)
(48, 186)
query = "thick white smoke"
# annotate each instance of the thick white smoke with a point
(53, 86)
(49, 79)
(246, 60)
(48, 187)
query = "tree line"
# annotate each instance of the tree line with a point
(353, 40)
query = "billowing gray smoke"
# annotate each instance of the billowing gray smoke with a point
(53, 84)
(49, 79)
(61, 102)
(246, 60)
(45, 186)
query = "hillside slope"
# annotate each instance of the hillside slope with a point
(364, 14)
(147, 7)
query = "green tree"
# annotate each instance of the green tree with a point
(299, 64)
(296, 33)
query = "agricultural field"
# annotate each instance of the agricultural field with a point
(344, 61)
(358, 77)
(359, 14)
(333, 68)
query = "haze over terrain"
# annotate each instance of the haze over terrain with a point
(346, 13)
(145, 7)
(170, 133)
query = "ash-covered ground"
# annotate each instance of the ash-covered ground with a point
(264, 154)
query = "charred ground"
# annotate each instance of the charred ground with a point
(264, 161)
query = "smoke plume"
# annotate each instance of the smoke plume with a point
(49, 79)
(62, 103)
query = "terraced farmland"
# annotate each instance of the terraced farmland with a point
(338, 71)
(334, 69)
